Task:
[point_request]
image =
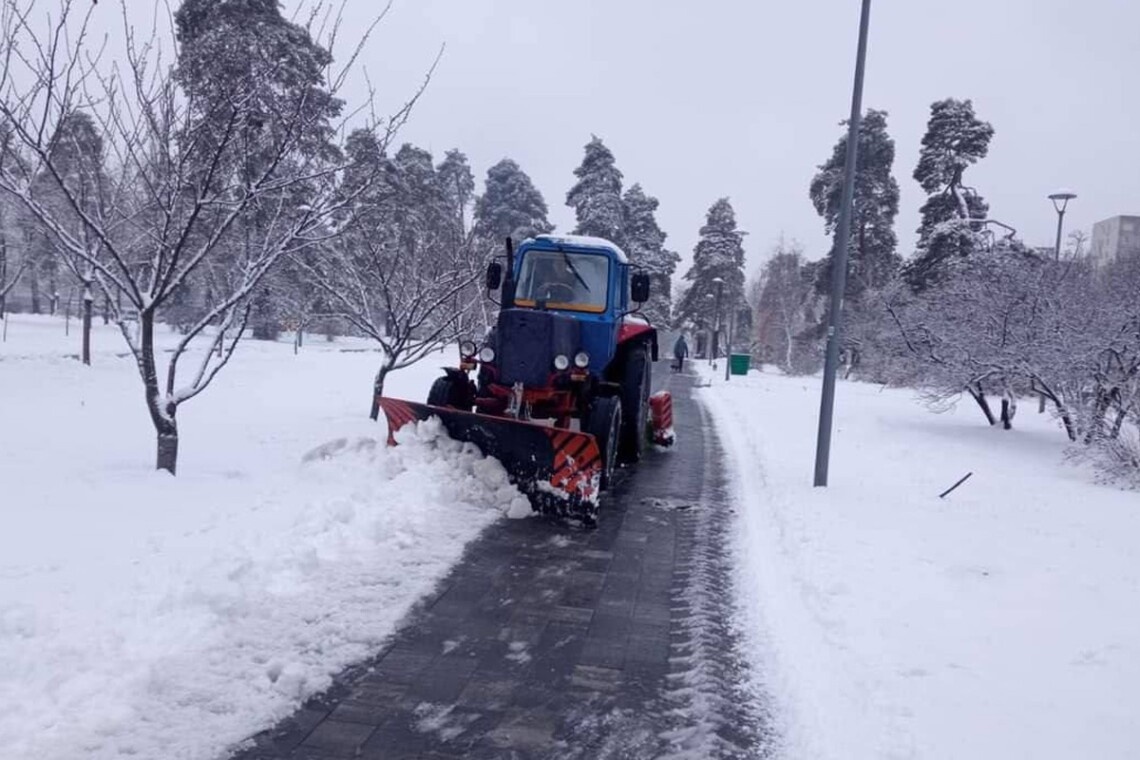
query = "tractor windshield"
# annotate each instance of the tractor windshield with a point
(564, 280)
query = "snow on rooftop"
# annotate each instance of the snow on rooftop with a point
(585, 241)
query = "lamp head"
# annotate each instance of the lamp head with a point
(1061, 199)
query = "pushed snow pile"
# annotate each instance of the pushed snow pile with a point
(177, 638)
(1002, 621)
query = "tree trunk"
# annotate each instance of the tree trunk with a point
(1008, 406)
(378, 390)
(87, 299)
(1067, 421)
(3, 272)
(1121, 414)
(1100, 413)
(34, 285)
(162, 411)
(167, 458)
(788, 350)
(980, 397)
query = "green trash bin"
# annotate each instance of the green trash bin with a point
(739, 363)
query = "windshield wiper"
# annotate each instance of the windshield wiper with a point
(574, 270)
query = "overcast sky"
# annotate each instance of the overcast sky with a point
(742, 98)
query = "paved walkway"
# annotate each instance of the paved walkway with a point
(552, 642)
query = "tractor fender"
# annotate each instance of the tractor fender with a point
(632, 330)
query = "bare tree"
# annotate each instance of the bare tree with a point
(180, 183)
(782, 302)
(1077, 240)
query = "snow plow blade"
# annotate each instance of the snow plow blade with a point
(558, 470)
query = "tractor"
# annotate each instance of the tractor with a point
(561, 386)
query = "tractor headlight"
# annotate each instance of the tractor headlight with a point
(561, 362)
(581, 360)
(487, 354)
(467, 348)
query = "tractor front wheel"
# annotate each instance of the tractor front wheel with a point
(447, 391)
(604, 423)
(634, 405)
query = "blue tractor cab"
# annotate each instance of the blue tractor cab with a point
(561, 392)
(586, 281)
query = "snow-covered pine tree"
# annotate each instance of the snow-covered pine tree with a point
(955, 139)
(596, 197)
(78, 158)
(457, 192)
(718, 253)
(510, 206)
(248, 50)
(645, 244)
(457, 186)
(396, 274)
(872, 259)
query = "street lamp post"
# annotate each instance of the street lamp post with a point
(719, 282)
(1060, 200)
(730, 320)
(708, 345)
(839, 265)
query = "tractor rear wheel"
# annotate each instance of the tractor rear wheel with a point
(634, 405)
(604, 423)
(445, 391)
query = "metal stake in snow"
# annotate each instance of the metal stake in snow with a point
(839, 264)
(961, 480)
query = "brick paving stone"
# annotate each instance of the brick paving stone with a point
(603, 652)
(444, 680)
(403, 666)
(337, 736)
(596, 678)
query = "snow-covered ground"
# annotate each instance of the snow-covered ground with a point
(149, 616)
(1000, 622)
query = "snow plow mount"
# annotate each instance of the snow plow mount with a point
(558, 470)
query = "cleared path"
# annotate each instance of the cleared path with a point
(552, 642)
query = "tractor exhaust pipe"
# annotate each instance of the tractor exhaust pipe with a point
(508, 295)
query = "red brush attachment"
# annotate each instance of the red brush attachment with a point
(661, 418)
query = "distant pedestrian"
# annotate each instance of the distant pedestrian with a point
(680, 351)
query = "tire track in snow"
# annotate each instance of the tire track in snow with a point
(713, 711)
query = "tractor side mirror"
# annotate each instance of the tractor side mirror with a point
(639, 287)
(494, 275)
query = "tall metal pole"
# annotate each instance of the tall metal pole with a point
(728, 343)
(1060, 223)
(839, 265)
(716, 321)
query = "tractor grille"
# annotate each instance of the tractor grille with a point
(528, 341)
